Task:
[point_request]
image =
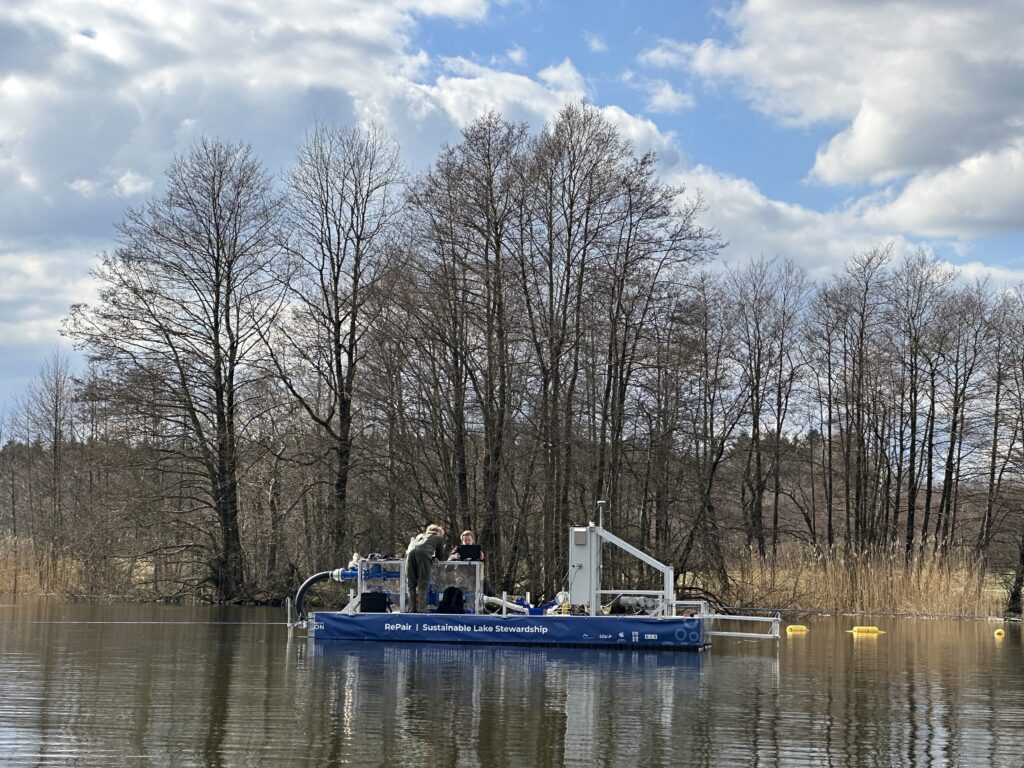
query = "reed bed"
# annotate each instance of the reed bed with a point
(952, 585)
(797, 580)
(18, 572)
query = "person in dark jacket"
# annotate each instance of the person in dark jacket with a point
(420, 557)
(472, 553)
(468, 551)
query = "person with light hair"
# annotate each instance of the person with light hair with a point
(421, 555)
(467, 549)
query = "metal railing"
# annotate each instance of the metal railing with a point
(772, 634)
(701, 610)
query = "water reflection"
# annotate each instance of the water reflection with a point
(164, 686)
(469, 706)
(218, 677)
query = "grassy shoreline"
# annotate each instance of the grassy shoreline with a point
(797, 583)
(869, 583)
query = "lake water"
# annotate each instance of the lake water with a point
(113, 685)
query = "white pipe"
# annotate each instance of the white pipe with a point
(505, 605)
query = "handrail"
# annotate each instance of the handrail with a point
(704, 612)
(773, 634)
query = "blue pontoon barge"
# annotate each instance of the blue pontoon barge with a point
(584, 615)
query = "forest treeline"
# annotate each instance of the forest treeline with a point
(282, 371)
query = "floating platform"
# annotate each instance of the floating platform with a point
(584, 615)
(676, 633)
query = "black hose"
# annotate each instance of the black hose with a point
(300, 596)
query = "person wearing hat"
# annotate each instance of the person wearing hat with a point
(420, 557)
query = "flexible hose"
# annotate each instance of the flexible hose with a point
(300, 596)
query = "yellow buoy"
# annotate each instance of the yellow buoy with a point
(795, 629)
(866, 631)
(1000, 633)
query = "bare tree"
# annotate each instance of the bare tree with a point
(463, 211)
(914, 297)
(183, 303)
(715, 403)
(572, 189)
(343, 199)
(1005, 422)
(48, 418)
(754, 288)
(656, 238)
(966, 313)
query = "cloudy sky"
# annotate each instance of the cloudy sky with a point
(813, 128)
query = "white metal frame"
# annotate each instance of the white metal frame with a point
(771, 634)
(595, 536)
(703, 611)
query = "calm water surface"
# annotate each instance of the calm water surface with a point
(135, 685)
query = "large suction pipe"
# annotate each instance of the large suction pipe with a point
(300, 596)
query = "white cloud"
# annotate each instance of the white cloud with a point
(517, 55)
(116, 97)
(982, 194)
(85, 187)
(38, 287)
(755, 225)
(563, 77)
(665, 98)
(96, 97)
(595, 42)
(645, 136)
(131, 183)
(124, 184)
(925, 90)
(467, 89)
(1001, 277)
(661, 96)
(667, 53)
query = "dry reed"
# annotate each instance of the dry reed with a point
(953, 585)
(18, 574)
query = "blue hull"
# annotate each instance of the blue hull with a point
(679, 633)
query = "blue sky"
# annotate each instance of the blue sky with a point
(604, 40)
(814, 129)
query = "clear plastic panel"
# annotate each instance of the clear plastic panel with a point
(466, 576)
(382, 576)
(387, 576)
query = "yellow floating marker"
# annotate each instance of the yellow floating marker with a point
(1000, 633)
(795, 629)
(866, 631)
